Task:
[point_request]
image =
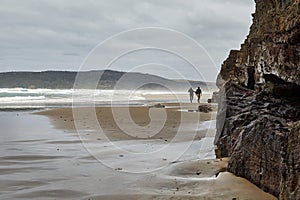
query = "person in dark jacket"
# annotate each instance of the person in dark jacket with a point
(198, 93)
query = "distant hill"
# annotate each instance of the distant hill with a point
(66, 79)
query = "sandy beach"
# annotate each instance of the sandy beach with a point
(136, 152)
(174, 115)
(120, 163)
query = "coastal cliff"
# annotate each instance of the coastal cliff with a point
(258, 122)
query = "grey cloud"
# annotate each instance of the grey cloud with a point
(58, 34)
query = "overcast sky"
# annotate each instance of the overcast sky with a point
(39, 35)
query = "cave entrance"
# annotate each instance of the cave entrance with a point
(282, 88)
(251, 79)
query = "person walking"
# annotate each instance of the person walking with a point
(198, 93)
(191, 91)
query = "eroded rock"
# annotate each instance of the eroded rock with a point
(257, 135)
(258, 114)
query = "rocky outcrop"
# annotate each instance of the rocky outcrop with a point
(205, 108)
(259, 107)
(271, 48)
(256, 132)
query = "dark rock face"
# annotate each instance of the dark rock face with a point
(257, 134)
(259, 109)
(272, 46)
(290, 185)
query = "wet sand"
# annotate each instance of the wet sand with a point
(115, 121)
(55, 155)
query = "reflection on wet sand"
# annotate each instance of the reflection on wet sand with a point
(45, 159)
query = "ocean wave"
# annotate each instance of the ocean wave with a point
(59, 97)
(20, 98)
